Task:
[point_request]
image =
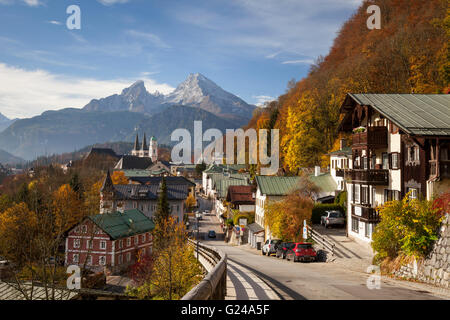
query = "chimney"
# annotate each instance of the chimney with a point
(343, 144)
(316, 171)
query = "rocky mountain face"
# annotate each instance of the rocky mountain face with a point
(5, 122)
(196, 91)
(120, 116)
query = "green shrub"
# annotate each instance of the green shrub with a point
(320, 208)
(408, 227)
(341, 199)
(229, 222)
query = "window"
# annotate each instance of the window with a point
(84, 228)
(76, 243)
(102, 260)
(89, 260)
(128, 242)
(414, 193)
(357, 189)
(364, 194)
(120, 244)
(368, 230)
(395, 163)
(144, 238)
(355, 225)
(128, 256)
(76, 258)
(102, 244)
(385, 161)
(120, 259)
(136, 240)
(89, 244)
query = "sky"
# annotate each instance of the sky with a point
(251, 48)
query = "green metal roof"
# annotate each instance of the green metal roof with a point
(325, 182)
(137, 173)
(276, 186)
(222, 186)
(120, 225)
(417, 114)
(343, 151)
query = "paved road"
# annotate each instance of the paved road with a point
(288, 280)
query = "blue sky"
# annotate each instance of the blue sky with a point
(251, 48)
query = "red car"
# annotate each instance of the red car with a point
(301, 251)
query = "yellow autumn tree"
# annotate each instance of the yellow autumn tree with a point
(118, 177)
(67, 208)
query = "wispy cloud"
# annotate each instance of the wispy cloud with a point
(111, 2)
(149, 37)
(25, 93)
(31, 3)
(58, 23)
(300, 61)
(262, 99)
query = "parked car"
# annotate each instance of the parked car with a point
(270, 246)
(282, 249)
(301, 251)
(333, 218)
(211, 234)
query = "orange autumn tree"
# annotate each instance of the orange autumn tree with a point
(118, 177)
(67, 208)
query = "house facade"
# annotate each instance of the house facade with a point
(271, 188)
(109, 241)
(143, 196)
(400, 145)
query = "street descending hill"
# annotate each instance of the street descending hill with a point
(119, 117)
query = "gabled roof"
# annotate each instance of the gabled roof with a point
(108, 185)
(241, 195)
(156, 180)
(276, 186)
(255, 228)
(325, 182)
(343, 152)
(102, 152)
(133, 162)
(222, 186)
(120, 225)
(149, 192)
(416, 114)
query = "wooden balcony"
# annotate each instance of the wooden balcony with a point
(369, 176)
(373, 138)
(365, 214)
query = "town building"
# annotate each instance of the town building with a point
(340, 159)
(400, 145)
(109, 241)
(144, 196)
(271, 188)
(241, 198)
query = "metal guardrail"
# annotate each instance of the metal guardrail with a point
(214, 284)
(320, 239)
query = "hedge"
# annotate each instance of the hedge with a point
(320, 208)
(250, 218)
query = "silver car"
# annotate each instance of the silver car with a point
(333, 218)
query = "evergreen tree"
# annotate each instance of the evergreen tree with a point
(76, 185)
(163, 211)
(199, 168)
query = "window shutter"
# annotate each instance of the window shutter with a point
(390, 160)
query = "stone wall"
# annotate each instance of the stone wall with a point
(435, 269)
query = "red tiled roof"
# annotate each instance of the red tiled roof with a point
(241, 194)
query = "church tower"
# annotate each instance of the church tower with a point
(136, 149)
(144, 153)
(107, 196)
(153, 150)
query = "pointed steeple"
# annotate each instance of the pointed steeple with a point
(136, 143)
(108, 185)
(144, 143)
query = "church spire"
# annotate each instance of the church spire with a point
(108, 185)
(136, 143)
(144, 143)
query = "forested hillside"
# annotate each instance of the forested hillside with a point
(409, 54)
